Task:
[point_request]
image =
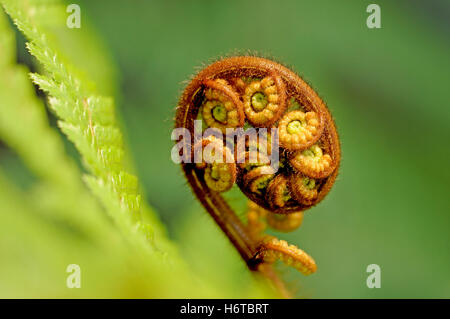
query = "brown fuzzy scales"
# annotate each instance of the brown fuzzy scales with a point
(248, 89)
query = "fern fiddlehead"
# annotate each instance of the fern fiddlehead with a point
(253, 91)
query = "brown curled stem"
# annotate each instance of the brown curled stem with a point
(234, 229)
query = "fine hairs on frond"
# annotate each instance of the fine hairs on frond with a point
(240, 52)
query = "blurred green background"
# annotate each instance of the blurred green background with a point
(387, 89)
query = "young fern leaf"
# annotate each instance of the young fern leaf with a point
(88, 119)
(40, 147)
